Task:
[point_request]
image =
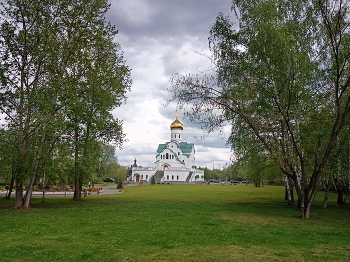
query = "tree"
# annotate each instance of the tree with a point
(254, 168)
(281, 79)
(108, 162)
(60, 72)
(337, 171)
(121, 173)
(7, 153)
(99, 80)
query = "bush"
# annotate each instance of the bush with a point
(120, 184)
(153, 181)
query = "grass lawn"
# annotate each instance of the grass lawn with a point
(175, 223)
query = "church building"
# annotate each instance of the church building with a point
(175, 153)
(175, 161)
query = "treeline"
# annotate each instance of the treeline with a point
(61, 75)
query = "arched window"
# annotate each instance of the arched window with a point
(179, 136)
(146, 176)
(167, 156)
(172, 177)
(167, 177)
(161, 156)
(177, 177)
(178, 153)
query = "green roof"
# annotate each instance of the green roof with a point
(161, 147)
(184, 147)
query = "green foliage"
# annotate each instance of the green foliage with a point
(61, 76)
(121, 173)
(153, 181)
(108, 164)
(337, 172)
(281, 80)
(120, 184)
(256, 168)
(175, 223)
(215, 174)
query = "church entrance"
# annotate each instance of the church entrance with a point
(165, 166)
(137, 178)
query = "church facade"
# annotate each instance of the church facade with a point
(175, 161)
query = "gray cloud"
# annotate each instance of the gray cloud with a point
(158, 38)
(165, 19)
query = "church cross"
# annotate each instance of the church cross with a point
(177, 113)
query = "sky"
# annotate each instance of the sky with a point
(160, 38)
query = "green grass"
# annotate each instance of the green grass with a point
(175, 223)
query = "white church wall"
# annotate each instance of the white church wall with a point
(145, 173)
(169, 158)
(199, 173)
(176, 135)
(175, 175)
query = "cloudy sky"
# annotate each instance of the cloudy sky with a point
(158, 38)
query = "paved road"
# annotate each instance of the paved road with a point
(107, 190)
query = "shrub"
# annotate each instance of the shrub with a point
(120, 184)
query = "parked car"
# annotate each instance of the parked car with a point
(245, 182)
(108, 179)
(234, 182)
(213, 181)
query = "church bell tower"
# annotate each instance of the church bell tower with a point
(176, 128)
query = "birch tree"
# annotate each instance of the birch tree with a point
(281, 78)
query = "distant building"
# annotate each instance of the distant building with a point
(175, 161)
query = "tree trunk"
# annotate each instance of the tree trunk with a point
(288, 195)
(19, 195)
(10, 188)
(305, 205)
(19, 174)
(77, 171)
(340, 200)
(304, 200)
(43, 196)
(305, 211)
(77, 188)
(29, 192)
(77, 180)
(307, 198)
(301, 201)
(325, 199)
(37, 161)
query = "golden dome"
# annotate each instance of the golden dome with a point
(176, 124)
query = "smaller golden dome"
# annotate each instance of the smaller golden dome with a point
(176, 124)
